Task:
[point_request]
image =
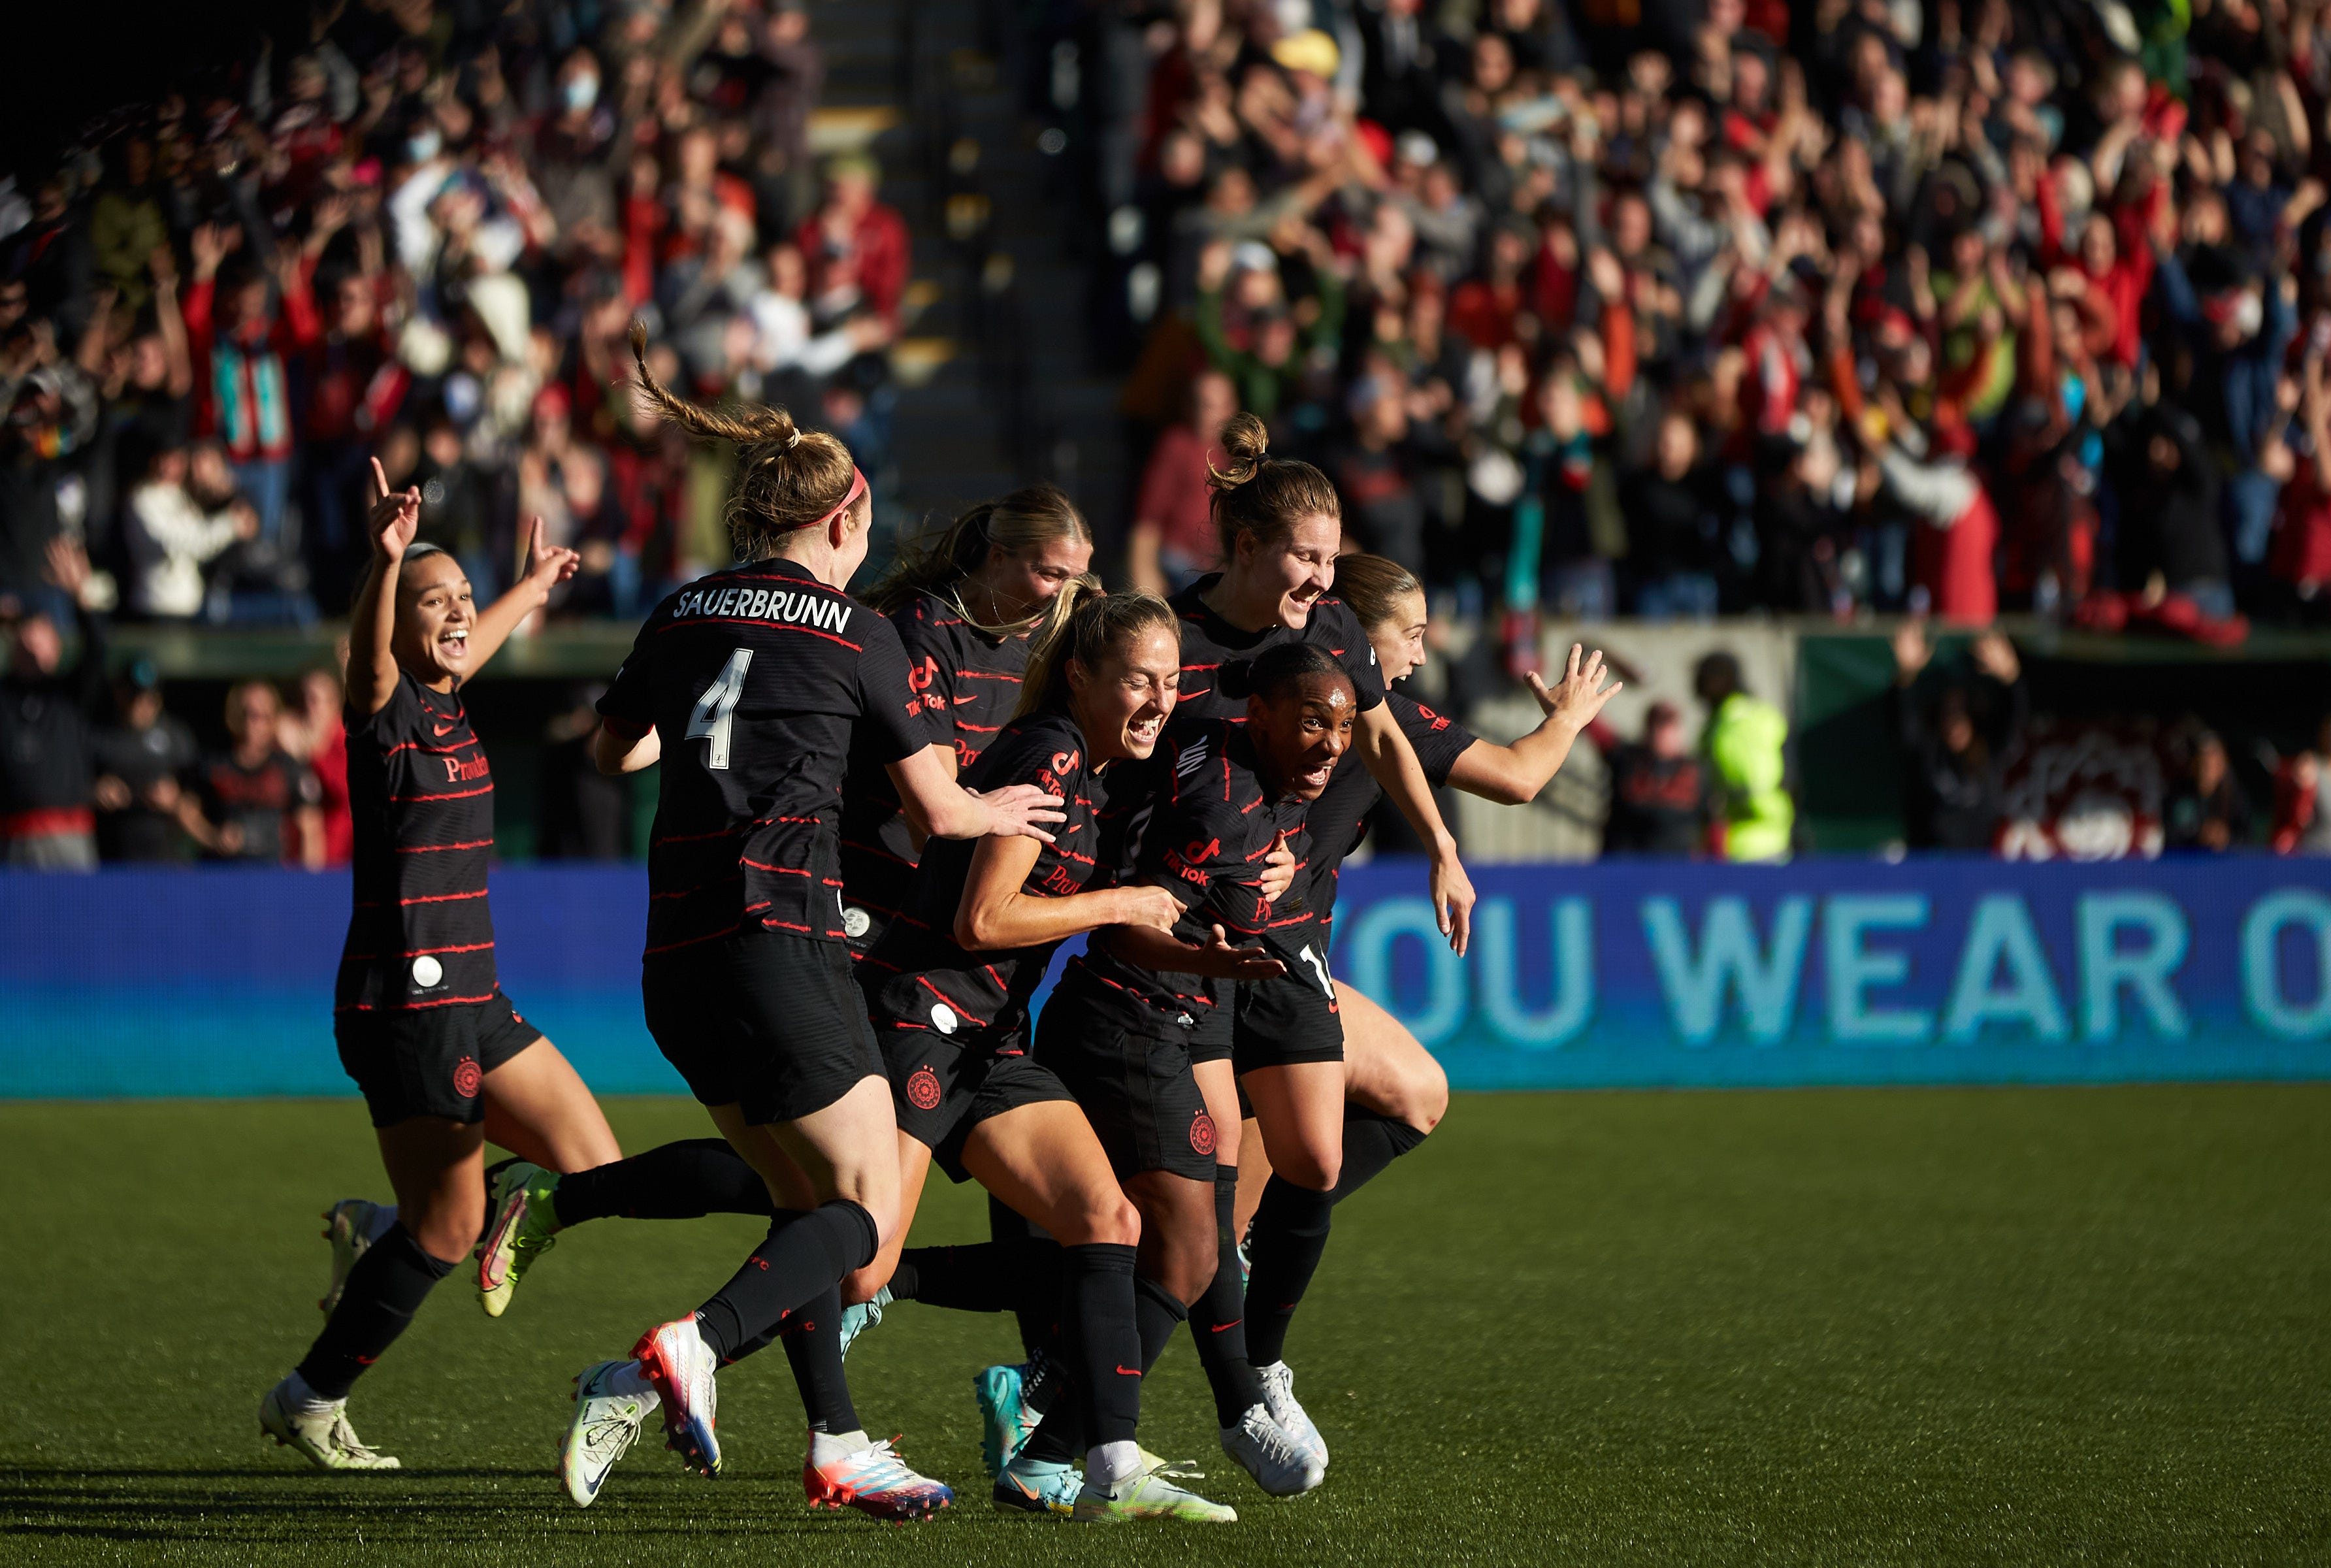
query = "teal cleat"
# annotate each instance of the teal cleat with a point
(858, 1318)
(1006, 1421)
(1035, 1486)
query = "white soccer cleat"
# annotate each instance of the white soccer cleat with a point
(874, 1480)
(605, 1425)
(1280, 1464)
(1278, 1393)
(349, 1226)
(681, 1366)
(323, 1437)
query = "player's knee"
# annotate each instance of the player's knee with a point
(1316, 1170)
(1189, 1271)
(861, 1284)
(1424, 1095)
(1099, 1220)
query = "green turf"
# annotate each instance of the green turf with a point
(2062, 1325)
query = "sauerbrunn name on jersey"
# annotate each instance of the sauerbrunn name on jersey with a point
(821, 612)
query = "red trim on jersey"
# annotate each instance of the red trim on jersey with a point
(750, 620)
(415, 953)
(788, 870)
(414, 1006)
(484, 789)
(433, 848)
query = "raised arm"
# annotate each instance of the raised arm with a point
(372, 664)
(1511, 774)
(547, 566)
(1391, 761)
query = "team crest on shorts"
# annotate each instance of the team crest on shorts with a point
(466, 1078)
(923, 1089)
(1202, 1134)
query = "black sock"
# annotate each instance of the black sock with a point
(1371, 1143)
(384, 1289)
(813, 1340)
(682, 1181)
(1157, 1312)
(1218, 1318)
(1291, 1223)
(1038, 1325)
(1022, 1275)
(1101, 1338)
(804, 1255)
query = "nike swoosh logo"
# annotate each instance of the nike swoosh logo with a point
(442, 729)
(1234, 1322)
(1128, 1372)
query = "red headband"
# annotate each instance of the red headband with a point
(857, 488)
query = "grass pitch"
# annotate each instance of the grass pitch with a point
(2045, 1326)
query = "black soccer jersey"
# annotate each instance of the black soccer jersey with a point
(758, 678)
(423, 797)
(916, 976)
(1341, 812)
(1209, 641)
(1205, 839)
(966, 684)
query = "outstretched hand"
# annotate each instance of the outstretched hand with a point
(1239, 963)
(1579, 696)
(548, 565)
(396, 517)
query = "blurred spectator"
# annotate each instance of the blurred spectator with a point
(1952, 747)
(2302, 817)
(856, 247)
(1744, 744)
(172, 538)
(1658, 791)
(254, 802)
(48, 714)
(1174, 542)
(142, 763)
(2206, 808)
(314, 732)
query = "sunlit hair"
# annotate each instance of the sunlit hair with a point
(1261, 497)
(1024, 521)
(1085, 624)
(1374, 587)
(787, 478)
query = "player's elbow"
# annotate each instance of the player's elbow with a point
(977, 929)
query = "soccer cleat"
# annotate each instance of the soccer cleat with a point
(348, 1226)
(681, 1366)
(1039, 1487)
(1278, 1393)
(604, 1427)
(874, 1480)
(1006, 1422)
(522, 1226)
(860, 1316)
(1279, 1464)
(1150, 1493)
(322, 1438)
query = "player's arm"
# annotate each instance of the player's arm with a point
(939, 808)
(1511, 774)
(372, 627)
(996, 912)
(1392, 762)
(1205, 868)
(621, 747)
(547, 566)
(1219, 959)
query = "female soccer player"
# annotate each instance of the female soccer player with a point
(964, 606)
(755, 681)
(1396, 1092)
(1128, 1029)
(444, 1060)
(948, 986)
(1280, 527)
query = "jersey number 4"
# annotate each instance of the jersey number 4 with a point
(717, 708)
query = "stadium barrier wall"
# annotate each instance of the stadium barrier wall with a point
(1622, 973)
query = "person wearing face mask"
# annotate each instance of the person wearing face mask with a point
(441, 1056)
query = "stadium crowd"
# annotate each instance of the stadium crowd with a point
(1669, 308)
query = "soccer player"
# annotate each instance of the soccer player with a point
(444, 1058)
(947, 988)
(964, 605)
(751, 685)
(1395, 1091)
(1131, 1028)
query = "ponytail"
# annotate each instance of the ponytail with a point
(936, 564)
(787, 478)
(1262, 497)
(1085, 624)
